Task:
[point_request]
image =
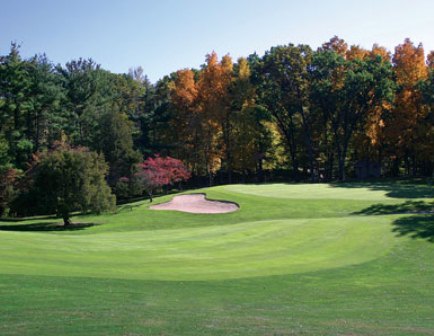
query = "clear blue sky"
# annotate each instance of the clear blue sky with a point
(165, 35)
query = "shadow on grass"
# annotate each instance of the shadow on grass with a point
(394, 189)
(45, 227)
(408, 207)
(421, 226)
(127, 207)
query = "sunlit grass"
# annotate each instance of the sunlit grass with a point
(296, 259)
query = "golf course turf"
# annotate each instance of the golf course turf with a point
(296, 259)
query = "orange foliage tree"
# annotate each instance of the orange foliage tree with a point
(405, 130)
(185, 120)
(214, 108)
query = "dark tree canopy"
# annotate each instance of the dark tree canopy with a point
(66, 179)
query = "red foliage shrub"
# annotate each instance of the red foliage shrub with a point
(160, 171)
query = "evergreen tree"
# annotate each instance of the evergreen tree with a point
(116, 143)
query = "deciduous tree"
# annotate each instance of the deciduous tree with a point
(214, 106)
(157, 172)
(186, 119)
(68, 179)
(405, 126)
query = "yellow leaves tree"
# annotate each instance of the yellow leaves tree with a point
(378, 50)
(243, 150)
(356, 52)
(214, 108)
(186, 119)
(370, 142)
(409, 62)
(405, 129)
(201, 107)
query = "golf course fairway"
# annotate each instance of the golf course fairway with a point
(295, 259)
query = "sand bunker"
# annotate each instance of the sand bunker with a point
(196, 203)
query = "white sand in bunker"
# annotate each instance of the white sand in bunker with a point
(196, 203)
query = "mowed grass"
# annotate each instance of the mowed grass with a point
(344, 259)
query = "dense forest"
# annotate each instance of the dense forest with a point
(294, 113)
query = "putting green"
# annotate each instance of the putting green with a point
(249, 249)
(311, 191)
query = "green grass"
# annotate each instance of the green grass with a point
(344, 259)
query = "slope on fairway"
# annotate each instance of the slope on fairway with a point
(272, 234)
(219, 252)
(316, 264)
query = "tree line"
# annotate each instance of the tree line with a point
(306, 114)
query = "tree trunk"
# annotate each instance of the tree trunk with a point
(227, 140)
(150, 197)
(342, 159)
(341, 162)
(407, 165)
(330, 165)
(395, 167)
(313, 175)
(307, 139)
(37, 132)
(341, 168)
(414, 166)
(66, 220)
(210, 179)
(288, 131)
(260, 172)
(342, 155)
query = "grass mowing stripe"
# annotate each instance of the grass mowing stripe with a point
(234, 251)
(280, 266)
(391, 295)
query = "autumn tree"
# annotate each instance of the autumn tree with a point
(405, 127)
(249, 138)
(302, 111)
(369, 87)
(186, 119)
(214, 107)
(370, 139)
(356, 52)
(427, 90)
(380, 51)
(157, 172)
(346, 91)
